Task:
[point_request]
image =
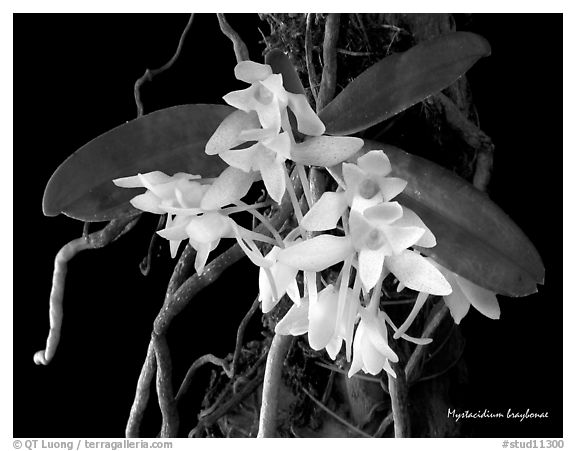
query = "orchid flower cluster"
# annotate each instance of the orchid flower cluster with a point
(359, 227)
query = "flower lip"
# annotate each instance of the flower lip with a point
(375, 239)
(264, 95)
(368, 188)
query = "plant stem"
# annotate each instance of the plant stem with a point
(240, 335)
(142, 394)
(198, 363)
(271, 386)
(309, 58)
(170, 418)
(240, 48)
(113, 230)
(151, 73)
(398, 389)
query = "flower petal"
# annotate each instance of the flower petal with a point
(322, 318)
(352, 176)
(401, 238)
(266, 292)
(361, 204)
(227, 135)
(373, 359)
(232, 184)
(295, 322)
(377, 334)
(174, 246)
(483, 300)
(326, 151)
(371, 264)
(325, 213)
(272, 171)
(375, 162)
(457, 303)
(128, 182)
(150, 179)
(308, 121)
(384, 213)
(269, 115)
(357, 360)
(202, 253)
(243, 159)
(283, 276)
(360, 228)
(417, 273)
(390, 187)
(275, 85)
(160, 184)
(251, 72)
(244, 99)
(316, 254)
(147, 202)
(176, 231)
(293, 292)
(189, 193)
(280, 145)
(257, 134)
(333, 347)
(411, 219)
(209, 227)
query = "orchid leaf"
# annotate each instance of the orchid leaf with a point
(281, 64)
(475, 238)
(169, 140)
(402, 80)
(326, 150)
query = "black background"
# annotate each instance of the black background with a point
(74, 77)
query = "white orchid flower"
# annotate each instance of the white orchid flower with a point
(195, 210)
(262, 117)
(367, 185)
(276, 281)
(163, 190)
(178, 195)
(267, 157)
(367, 181)
(371, 351)
(376, 236)
(267, 97)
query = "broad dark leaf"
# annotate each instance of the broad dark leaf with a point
(476, 239)
(402, 80)
(281, 64)
(170, 140)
